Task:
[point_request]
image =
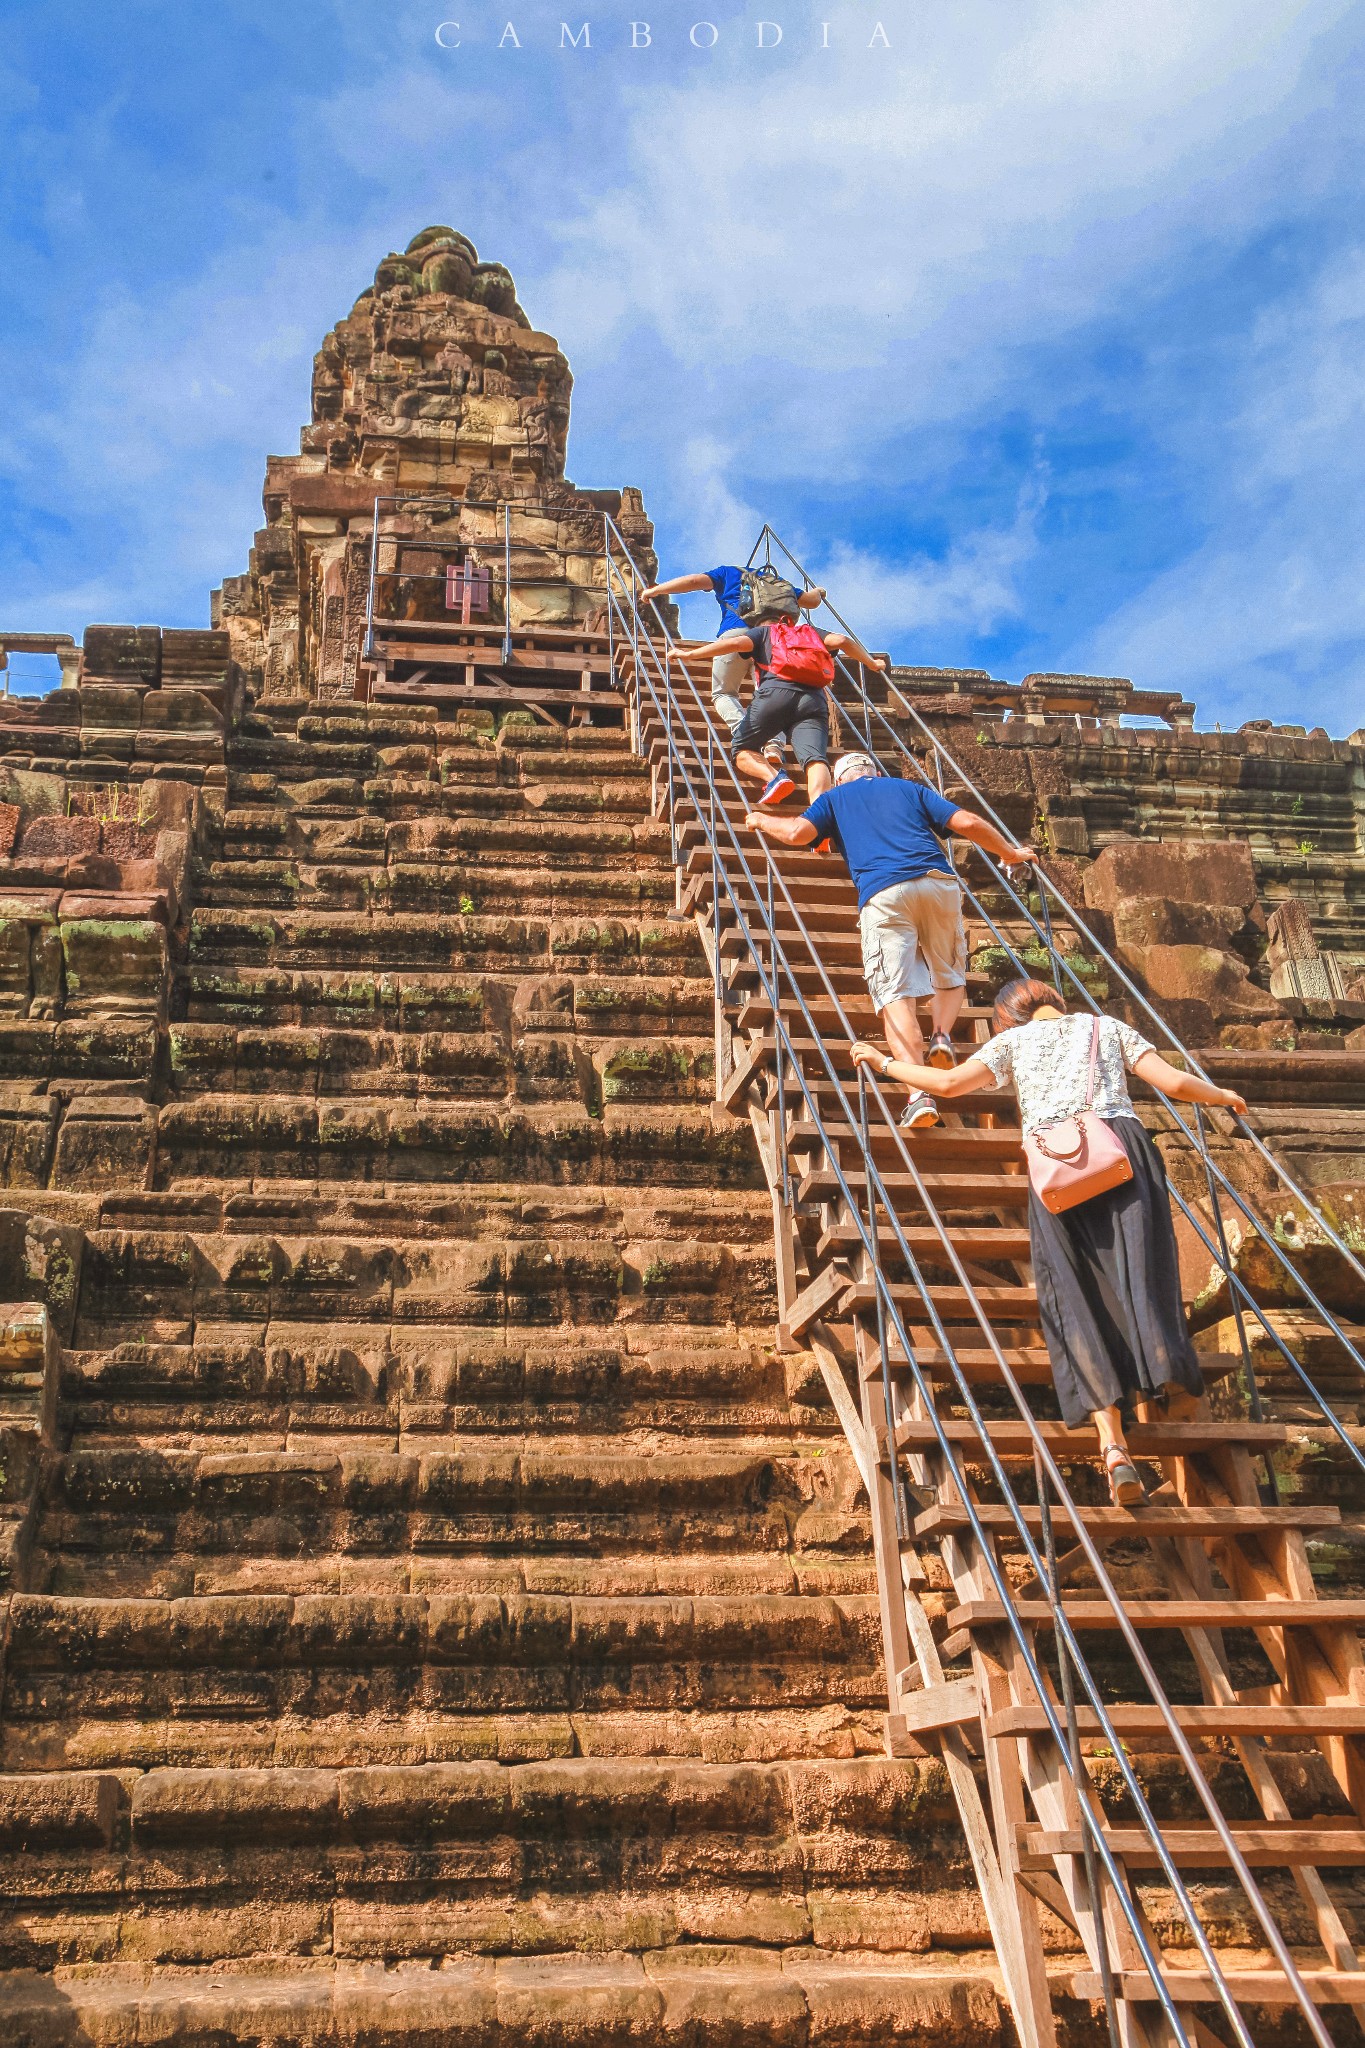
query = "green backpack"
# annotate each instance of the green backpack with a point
(764, 596)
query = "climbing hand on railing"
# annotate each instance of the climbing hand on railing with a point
(1185, 1087)
(865, 1055)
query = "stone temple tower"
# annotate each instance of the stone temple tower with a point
(438, 398)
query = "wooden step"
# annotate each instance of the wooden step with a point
(761, 1047)
(1340, 1717)
(935, 1142)
(1011, 1438)
(448, 655)
(1248, 1987)
(844, 977)
(999, 1302)
(969, 1241)
(496, 693)
(993, 1102)
(456, 632)
(946, 1190)
(1155, 1520)
(1029, 1364)
(756, 1011)
(1320, 1842)
(1225, 1611)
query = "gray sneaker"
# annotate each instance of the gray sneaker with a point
(775, 754)
(919, 1112)
(941, 1052)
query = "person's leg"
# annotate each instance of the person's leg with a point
(935, 903)
(1109, 1427)
(767, 717)
(809, 729)
(896, 980)
(945, 1005)
(752, 766)
(1125, 1482)
(729, 674)
(901, 1027)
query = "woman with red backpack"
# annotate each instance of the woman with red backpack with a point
(795, 666)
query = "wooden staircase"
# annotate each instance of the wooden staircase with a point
(912, 1283)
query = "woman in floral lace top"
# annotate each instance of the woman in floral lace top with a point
(1106, 1271)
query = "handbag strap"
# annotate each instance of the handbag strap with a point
(1094, 1056)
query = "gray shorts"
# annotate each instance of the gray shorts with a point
(780, 710)
(913, 940)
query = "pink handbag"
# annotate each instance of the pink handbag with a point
(1078, 1157)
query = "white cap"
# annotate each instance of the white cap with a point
(854, 764)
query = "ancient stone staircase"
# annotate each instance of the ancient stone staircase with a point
(444, 1613)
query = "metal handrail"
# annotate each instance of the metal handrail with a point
(1062, 965)
(1240, 1293)
(1045, 882)
(886, 1304)
(455, 506)
(767, 978)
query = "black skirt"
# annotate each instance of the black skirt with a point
(1108, 1285)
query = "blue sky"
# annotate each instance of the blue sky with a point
(1038, 328)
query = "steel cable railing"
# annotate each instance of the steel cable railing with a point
(1240, 1294)
(1045, 882)
(451, 509)
(771, 989)
(786, 1049)
(943, 1338)
(1241, 1297)
(1195, 1138)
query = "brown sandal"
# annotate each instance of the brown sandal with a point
(1125, 1485)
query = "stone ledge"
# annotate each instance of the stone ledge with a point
(714, 1999)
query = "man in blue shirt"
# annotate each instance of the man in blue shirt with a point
(732, 668)
(909, 902)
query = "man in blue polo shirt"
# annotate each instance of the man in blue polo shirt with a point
(731, 669)
(909, 902)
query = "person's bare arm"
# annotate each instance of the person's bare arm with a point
(784, 831)
(1182, 1087)
(729, 643)
(963, 1080)
(810, 599)
(698, 580)
(966, 825)
(844, 643)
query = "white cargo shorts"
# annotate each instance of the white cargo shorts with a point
(731, 673)
(913, 940)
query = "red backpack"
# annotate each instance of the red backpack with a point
(797, 654)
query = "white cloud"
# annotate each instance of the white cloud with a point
(717, 523)
(932, 213)
(768, 276)
(1275, 597)
(974, 586)
(155, 448)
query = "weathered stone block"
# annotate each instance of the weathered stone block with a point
(178, 710)
(114, 963)
(62, 837)
(111, 707)
(1201, 871)
(123, 654)
(105, 1141)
